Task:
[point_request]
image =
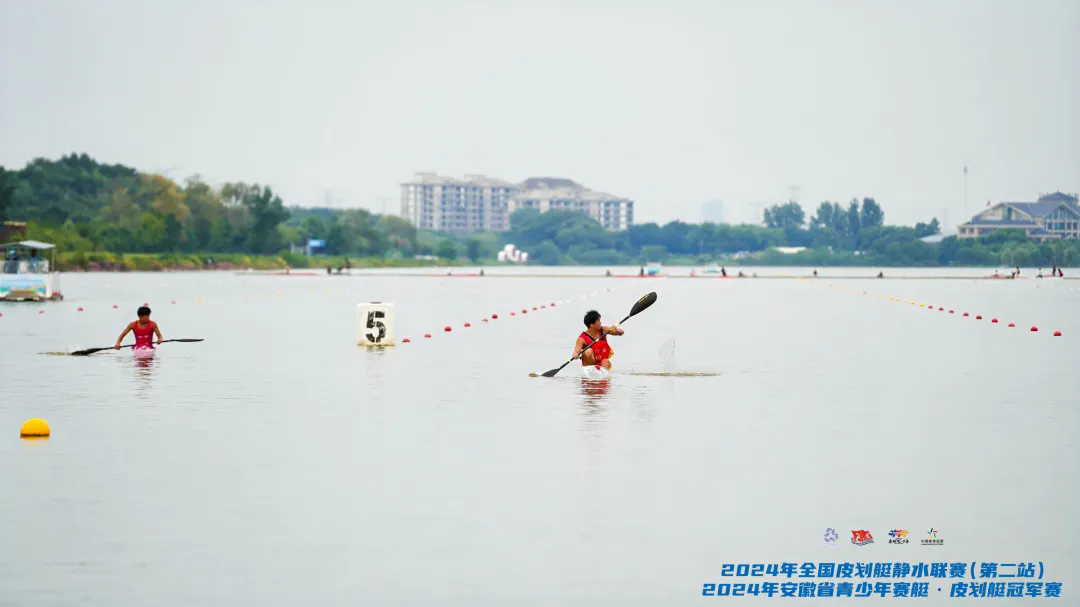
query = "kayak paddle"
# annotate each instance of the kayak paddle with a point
(638, 308)
(90, 351)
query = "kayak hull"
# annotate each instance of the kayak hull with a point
(144, 352)
(594, 372)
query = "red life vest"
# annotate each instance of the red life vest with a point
(144, 336)
(601, 349)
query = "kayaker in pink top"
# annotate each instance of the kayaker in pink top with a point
(144, 330)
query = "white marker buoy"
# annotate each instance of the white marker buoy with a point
(375, 324)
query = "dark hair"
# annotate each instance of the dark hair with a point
(591, 316)
(143, 311)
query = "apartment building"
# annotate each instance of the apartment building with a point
(433, 202)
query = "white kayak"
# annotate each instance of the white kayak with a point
(144, 351)
(594, 372)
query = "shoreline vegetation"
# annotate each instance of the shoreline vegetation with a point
(168, 262)
(114, 218)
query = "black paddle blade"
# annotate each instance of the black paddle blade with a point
(552, 372)
(88, 351)
(643, 303)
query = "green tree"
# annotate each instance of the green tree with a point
(854, 224)
(522, 217)
(785, 216)
(923, 230)
(871, 215)
(472, 249)
(174, 233)
(266, 211)
(447, 250)
(545, 254)
(151, 234)
(400, 234)
(364, 238)
(823, 217)
(654, 252)
(313, 227)
(7, 192)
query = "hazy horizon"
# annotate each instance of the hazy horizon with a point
(671, 105)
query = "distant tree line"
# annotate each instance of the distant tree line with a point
(84, 205)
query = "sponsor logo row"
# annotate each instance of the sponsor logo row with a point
(862, 537)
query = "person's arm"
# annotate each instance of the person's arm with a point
(157, 330)
(613, 330)
(579, 345)
(127, 329)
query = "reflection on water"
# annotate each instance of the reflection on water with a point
(594, 390)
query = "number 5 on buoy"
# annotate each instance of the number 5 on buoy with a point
(375, 324)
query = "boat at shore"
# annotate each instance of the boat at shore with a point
(653, 268)
(26, 275)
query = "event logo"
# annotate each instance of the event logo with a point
(933, 539)
(861, 537)
(830, 537)
(898, 536)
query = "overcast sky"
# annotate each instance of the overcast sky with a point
(668, 103)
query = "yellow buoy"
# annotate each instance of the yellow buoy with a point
(34, 428)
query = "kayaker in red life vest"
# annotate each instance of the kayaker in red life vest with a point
(144, 330)
(595, 333)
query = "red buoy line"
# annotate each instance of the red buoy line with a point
(1034, 329)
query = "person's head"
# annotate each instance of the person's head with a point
(592, 319)
(143, 313)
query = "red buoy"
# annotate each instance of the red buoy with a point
(950, 311)
(513, 314)
(466, 324)
(1012, 324)
(494, 316)
(1034, 329)
(965, 313)
(80, 308)
(41, 311)
(115, 306)
(1057, 333)
(941, 309)
(978, 317)
(552, 304)
(405, 340)
(524, 311)
(446, 328)
(534, 309)
(427, 335)
(995, 320)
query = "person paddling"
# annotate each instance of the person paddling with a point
(144, 330)
(595, 334)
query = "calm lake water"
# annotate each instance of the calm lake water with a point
(276, 463)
